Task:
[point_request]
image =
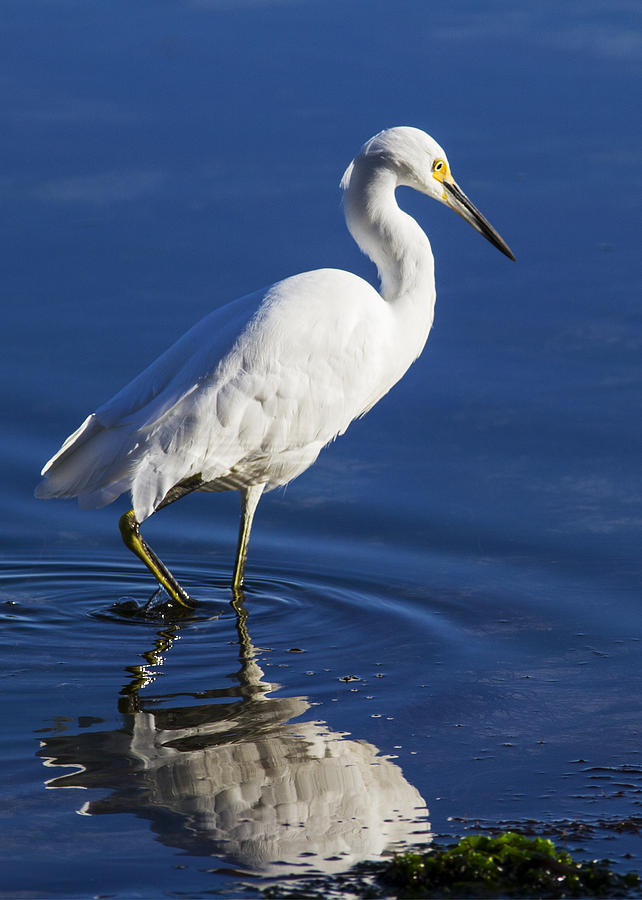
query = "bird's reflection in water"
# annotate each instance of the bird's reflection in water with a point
(229, 774)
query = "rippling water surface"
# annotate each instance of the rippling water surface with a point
(441, 629)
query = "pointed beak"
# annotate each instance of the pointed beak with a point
(457, 200)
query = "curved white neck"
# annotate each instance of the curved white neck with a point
(390, 237)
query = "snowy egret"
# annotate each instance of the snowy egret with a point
(249, 396)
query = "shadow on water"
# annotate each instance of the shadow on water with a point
(225, 771)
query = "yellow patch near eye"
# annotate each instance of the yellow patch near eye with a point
(440, 169)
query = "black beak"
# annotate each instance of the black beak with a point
(457, 200)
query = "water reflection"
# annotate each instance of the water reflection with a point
(225, 772)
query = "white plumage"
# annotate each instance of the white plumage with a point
(249, 396)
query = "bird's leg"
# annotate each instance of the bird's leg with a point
(250, 497)
(130, 531)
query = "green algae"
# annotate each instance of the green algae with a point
(509, 865)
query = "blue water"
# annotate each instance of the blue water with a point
(444, 616)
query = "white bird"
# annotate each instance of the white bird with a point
(249, 396)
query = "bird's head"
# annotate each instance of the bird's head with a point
(420, 163)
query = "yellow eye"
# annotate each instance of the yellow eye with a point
(439, 169)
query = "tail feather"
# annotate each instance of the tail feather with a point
(93, 464)
(89, 427)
